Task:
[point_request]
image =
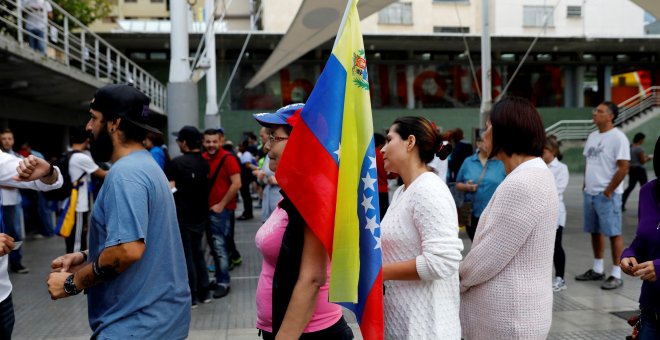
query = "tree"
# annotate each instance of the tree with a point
(87, 11)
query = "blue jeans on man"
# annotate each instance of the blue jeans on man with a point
(37, 40)
(220, 227)
(6, 318)
(11, 217)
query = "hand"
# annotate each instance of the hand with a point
(69, 263)
(55, 284)
(6, 244)
(645, 271)
(260, 175)
(627, 265)
(471, 186)
(607, 194)
(217, 208)
(32, 168)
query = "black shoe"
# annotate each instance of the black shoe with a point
(611, 283)
(244, 218)
(213, 285)
(194, 304)
(221, 292)
(590, 275)
(20, 269)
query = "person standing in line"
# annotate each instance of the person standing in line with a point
(479, 177)
(504, 278)
(248, 165)
(642, 258)
(637, 171)
(36, 23)
(12, 212)
(156, 146)
(134, 273)
(419, 237)
(225, 179)
(81, 168)
(607, 155)
(189, 180)
(560, 172)
(29, 173)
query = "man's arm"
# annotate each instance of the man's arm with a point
(100, 173)
(231, 193)
(619, 175)
(112, 262)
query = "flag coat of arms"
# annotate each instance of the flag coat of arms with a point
(328, 171)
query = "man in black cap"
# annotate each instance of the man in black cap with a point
(188, 175)
(134, 271)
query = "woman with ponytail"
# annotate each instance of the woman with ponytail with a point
(642, 258)
(419, 238)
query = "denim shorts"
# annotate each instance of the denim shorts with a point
(602, 214)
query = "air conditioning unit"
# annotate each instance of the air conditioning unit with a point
(573, 11)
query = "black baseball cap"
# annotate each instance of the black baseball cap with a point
(189, 134)
(123, 101)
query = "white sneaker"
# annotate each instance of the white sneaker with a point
(558, 284)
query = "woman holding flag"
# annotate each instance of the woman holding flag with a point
(421, 248)
(292, 293)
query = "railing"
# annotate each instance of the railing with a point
(629, 109)
(71, 43)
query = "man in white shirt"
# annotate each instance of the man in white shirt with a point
(12, 212)
(607, 154)
(30, 173)
(36, 22)
(81, 167)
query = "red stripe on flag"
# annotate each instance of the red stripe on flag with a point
(308, 175)
(372, 322)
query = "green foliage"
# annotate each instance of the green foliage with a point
(87, 11)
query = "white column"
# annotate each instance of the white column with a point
(212, 117)
(486, 92)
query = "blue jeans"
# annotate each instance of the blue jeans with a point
(38, 42)
(602, 214)
(220, 225)
(6, 318)
(11, 217)
(649, 328)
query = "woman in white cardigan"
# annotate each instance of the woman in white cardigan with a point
(505, 292)
(421, 248)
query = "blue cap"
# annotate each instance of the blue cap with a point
(283, 116)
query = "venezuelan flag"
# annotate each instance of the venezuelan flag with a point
(328, 170)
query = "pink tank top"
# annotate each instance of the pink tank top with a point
(269, 241)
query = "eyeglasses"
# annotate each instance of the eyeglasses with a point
(597, 110)
(273, 138)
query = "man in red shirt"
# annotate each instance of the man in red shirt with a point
(225, 182)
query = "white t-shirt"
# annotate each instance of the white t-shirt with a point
(439, 167)
(79, 164)
(11, 196)
(247, 157)
(560, 172)
(602, 151)
(37, 14)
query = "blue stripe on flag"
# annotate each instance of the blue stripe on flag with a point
(324, 110)
(369, 217)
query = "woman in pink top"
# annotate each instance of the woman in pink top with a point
(292, 293)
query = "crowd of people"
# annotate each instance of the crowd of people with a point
(149, 218)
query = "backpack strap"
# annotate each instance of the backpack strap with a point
(217, 171)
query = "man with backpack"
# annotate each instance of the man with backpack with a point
(79, 167)
(189, 179)
(225, 182)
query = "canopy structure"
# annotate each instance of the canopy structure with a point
(651, 6)
(316, 22)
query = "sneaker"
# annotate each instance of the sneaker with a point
(206, 298)
(194, 304)
(590, 275)
(558, 284)
(20, 269)
(244, 218)
(213, 285)
(611, 283)
(221, 292)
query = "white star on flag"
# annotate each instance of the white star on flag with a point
(377, 246)
(373, 162)
(337, 151)
(366, 203)
(371, 224)
(368, 182)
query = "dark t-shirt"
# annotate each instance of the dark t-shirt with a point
(190, 172)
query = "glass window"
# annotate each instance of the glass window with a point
(535, 16)
(399, 13)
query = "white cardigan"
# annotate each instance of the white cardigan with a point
(421, 224)
(505, 278)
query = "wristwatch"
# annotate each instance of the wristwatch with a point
(70, 286)
(51, 170)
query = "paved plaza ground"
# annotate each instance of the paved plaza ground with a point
(583, 311)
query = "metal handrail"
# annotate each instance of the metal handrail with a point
(75, 46)
(629, 109)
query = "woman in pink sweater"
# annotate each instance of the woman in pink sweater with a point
(504, 278)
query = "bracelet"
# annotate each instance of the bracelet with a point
(51, 170)
(84, 256)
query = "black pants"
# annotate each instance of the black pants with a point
(339, 331)
(233, 251)
(198, 276)
(472, 227)
(559, 258)
(635, 174)
(6, 318)
(247, 198)
(384, 202)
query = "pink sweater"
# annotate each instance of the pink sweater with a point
(505, 278)
(269, 241)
